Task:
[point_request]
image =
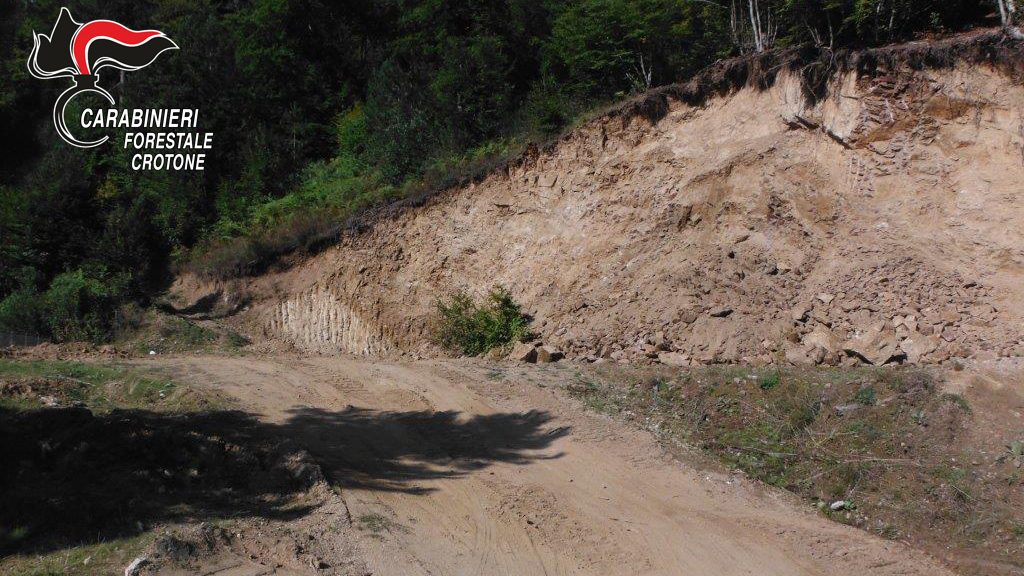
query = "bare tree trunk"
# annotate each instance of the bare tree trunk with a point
(1007, 11)
(762, 27)
(755, 24)
(642, 76)
(736, 27)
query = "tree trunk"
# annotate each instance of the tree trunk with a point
(754, 25)
(761, 26)
(1007, 11)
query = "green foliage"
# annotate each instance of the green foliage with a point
(102, 387)
(957, 399)
(78, 307)
(860, 22)
(21, 312)
(601, 48)
(236, 340)
(462, 325)
(866, 396)
(769, 380)
(351, 133)
(548, 109)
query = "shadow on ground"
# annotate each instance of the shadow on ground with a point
(396, 451)
(68, 476)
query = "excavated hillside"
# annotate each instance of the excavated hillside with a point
(879, 221)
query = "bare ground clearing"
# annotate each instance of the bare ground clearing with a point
(449, 467)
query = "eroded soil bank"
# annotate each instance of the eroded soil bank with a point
(880, 224)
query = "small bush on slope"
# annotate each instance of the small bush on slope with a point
(462, 325)
(78, 305)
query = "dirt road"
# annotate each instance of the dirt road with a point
(458, 468)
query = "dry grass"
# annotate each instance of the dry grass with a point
(101, 458)
(30, 384)
(107, 557)
(304, 234)
(887, 443)
(168, 333)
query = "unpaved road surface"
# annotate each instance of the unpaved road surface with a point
(459, 468)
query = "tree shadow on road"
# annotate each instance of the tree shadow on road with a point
(70, 477)
(397, 451)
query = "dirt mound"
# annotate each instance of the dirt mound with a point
(879, 223)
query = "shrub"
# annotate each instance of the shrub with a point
(78, 307)
(866, 396)
(769, 380)
(128, 319)
(21, 312)
(464, 326)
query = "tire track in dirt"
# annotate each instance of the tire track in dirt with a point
(465, 474)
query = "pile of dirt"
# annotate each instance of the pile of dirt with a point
(878, 223)
(318, 541)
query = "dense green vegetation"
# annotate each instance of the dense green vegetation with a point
(462, 325)
(321, 109)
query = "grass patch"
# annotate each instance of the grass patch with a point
(886, 442)
(69, 496)
(27, 384)
(126, 452)
(164, 333)
(235, 340)
(464, 326)
(866, 396)
(375, 523)
(769, 380)
(108, 557)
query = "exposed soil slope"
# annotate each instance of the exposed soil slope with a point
(453, 468)
(882, 223)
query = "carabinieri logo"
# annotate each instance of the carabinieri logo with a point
(79, 51)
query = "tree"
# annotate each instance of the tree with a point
(763, 26)
(599, 48)
(1007, 11)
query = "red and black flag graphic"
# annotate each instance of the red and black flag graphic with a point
(74, 49)
(79, 51)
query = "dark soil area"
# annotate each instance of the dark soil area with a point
(74, 476)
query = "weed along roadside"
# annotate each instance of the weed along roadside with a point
(885, 450)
